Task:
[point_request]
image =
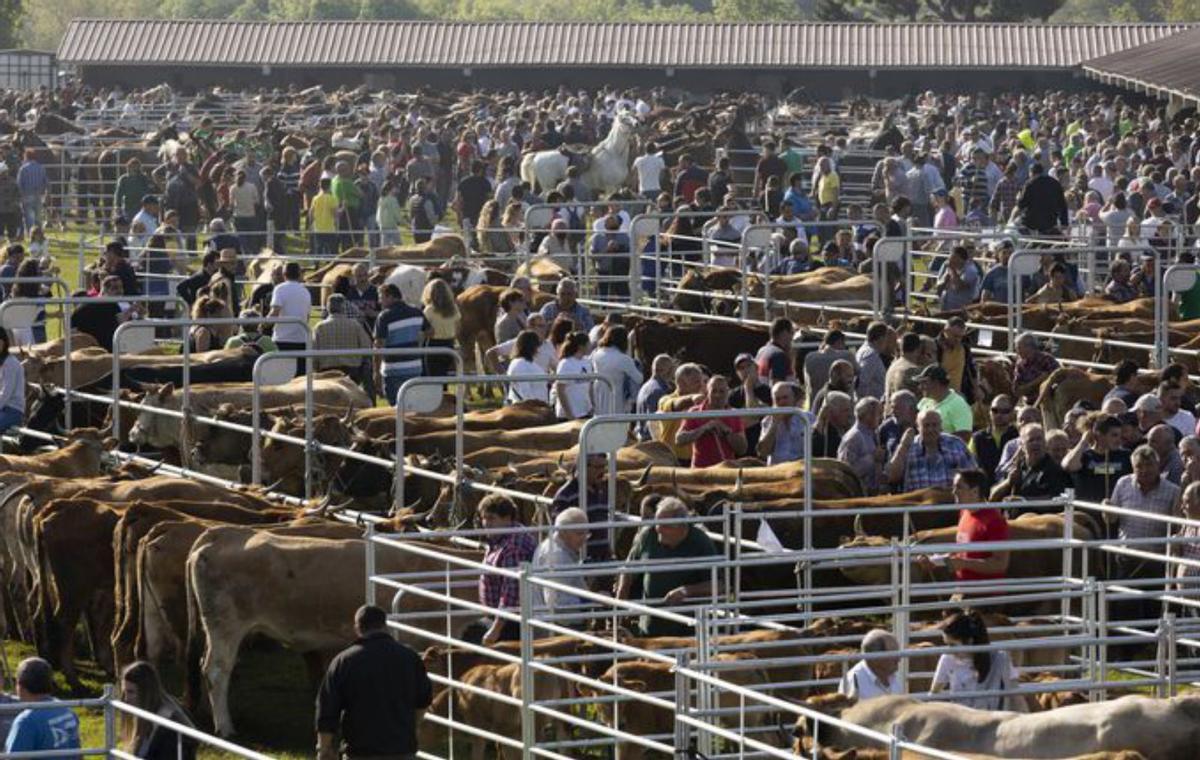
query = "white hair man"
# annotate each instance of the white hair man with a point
(860, 445)
(874, 676)
(561, 550)
(662, 371)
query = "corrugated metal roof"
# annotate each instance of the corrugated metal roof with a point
(536, 44)
(1170, 65)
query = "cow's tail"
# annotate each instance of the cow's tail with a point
(193, 694)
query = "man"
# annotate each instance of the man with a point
(649, 168)
(931, 461)
(563, 548)
(689, 391)
(372, 695)
(188, 289)
(1171, 396)
(1033, 366)
(220, 239)
(1146, 491)
(987, 445)
(565, 303)
(116, 264)
(859, 448)
(33, 184)
(776, 360)
(976, 524)
(422, 212)
(661, 581)
(599, 548)
(903, 407)
(250, 334)
(44, 729)
(955, 356)
(132, 187)
(953, 409)
(959, 282)
(1149, 412)
(508, 545)
(1098, 460)
(181, 197)
(398, 326)
(340, 330)
(1042, 205)
(689, 179)
(872, 371)
(1128, 388)
(362, 299)
(874, 676)
(713, 440)
(473, 192)
(1165, 442)
(770, 165)
(147, 220)
(751, 391)
(1035, 474)
(995, 283)
(841, 378)
(100, 320)
(782, 437)
(291, 298)
(662, 370)
(834, 420)
(902, 373)
(818, 363)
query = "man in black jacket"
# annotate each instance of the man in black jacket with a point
(1042, 203)
(372, 694)
(189, 288)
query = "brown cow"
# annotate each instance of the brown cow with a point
(81, 458)
(478, 306)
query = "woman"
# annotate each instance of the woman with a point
(35, 333)
(514, 225)
(611, 359)
(946, 215)
(12, 386)
(524, 352)
(442, 312)
(245, 202)
(1057, 290)
(559, 331)
(573, 400)
(141, 687)
(204, 337)
(975, 671)
(387, 214)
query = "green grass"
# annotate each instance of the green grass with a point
(272, 700)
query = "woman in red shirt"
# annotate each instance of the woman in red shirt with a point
(975, 525)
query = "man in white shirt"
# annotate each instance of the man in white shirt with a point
(649, 167)
(147, 217)
(561, 550)
(874, 676)
(291, 298)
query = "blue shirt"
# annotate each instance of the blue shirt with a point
(801, 203)
(647, 403)
(31, 179)
(401, 326)
(577, 314)
(42, 729)
(996, 283)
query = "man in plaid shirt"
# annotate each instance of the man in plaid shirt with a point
(506, 551)
(1146, 490)
(931, 461)
(1033, 366)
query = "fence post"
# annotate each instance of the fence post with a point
(894, 751)
(1172, 665)
(902, 613)
(1088, 613)
(1102, 625)
(110, 719)
(681, 707)
(370, 559)
(1160, 689)
(529, 735)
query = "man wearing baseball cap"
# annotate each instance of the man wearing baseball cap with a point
(936, 393)
(750, 391)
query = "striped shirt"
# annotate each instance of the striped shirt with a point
(32, 179)
(1159, 500)
(401, 326)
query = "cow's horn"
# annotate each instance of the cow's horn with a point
(644, 478)
(859, 531)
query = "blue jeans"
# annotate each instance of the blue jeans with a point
(10, 417)
(31, 212)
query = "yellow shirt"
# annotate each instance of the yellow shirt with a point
(324, 213)
(444, 328)
(665, 430)
(827, 188)
(955, 363)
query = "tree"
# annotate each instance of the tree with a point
(937, 10)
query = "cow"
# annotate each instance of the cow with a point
(161, 431)
(1040, 563)
(242, 581)
(654, 677)
(134, 524)
(710, 344)
(478, 306)
(1160, 729)
(548, 438)
(82, 457)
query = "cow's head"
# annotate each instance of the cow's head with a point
(809, 730)
(156, 430)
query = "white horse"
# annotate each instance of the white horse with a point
(607, 171)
